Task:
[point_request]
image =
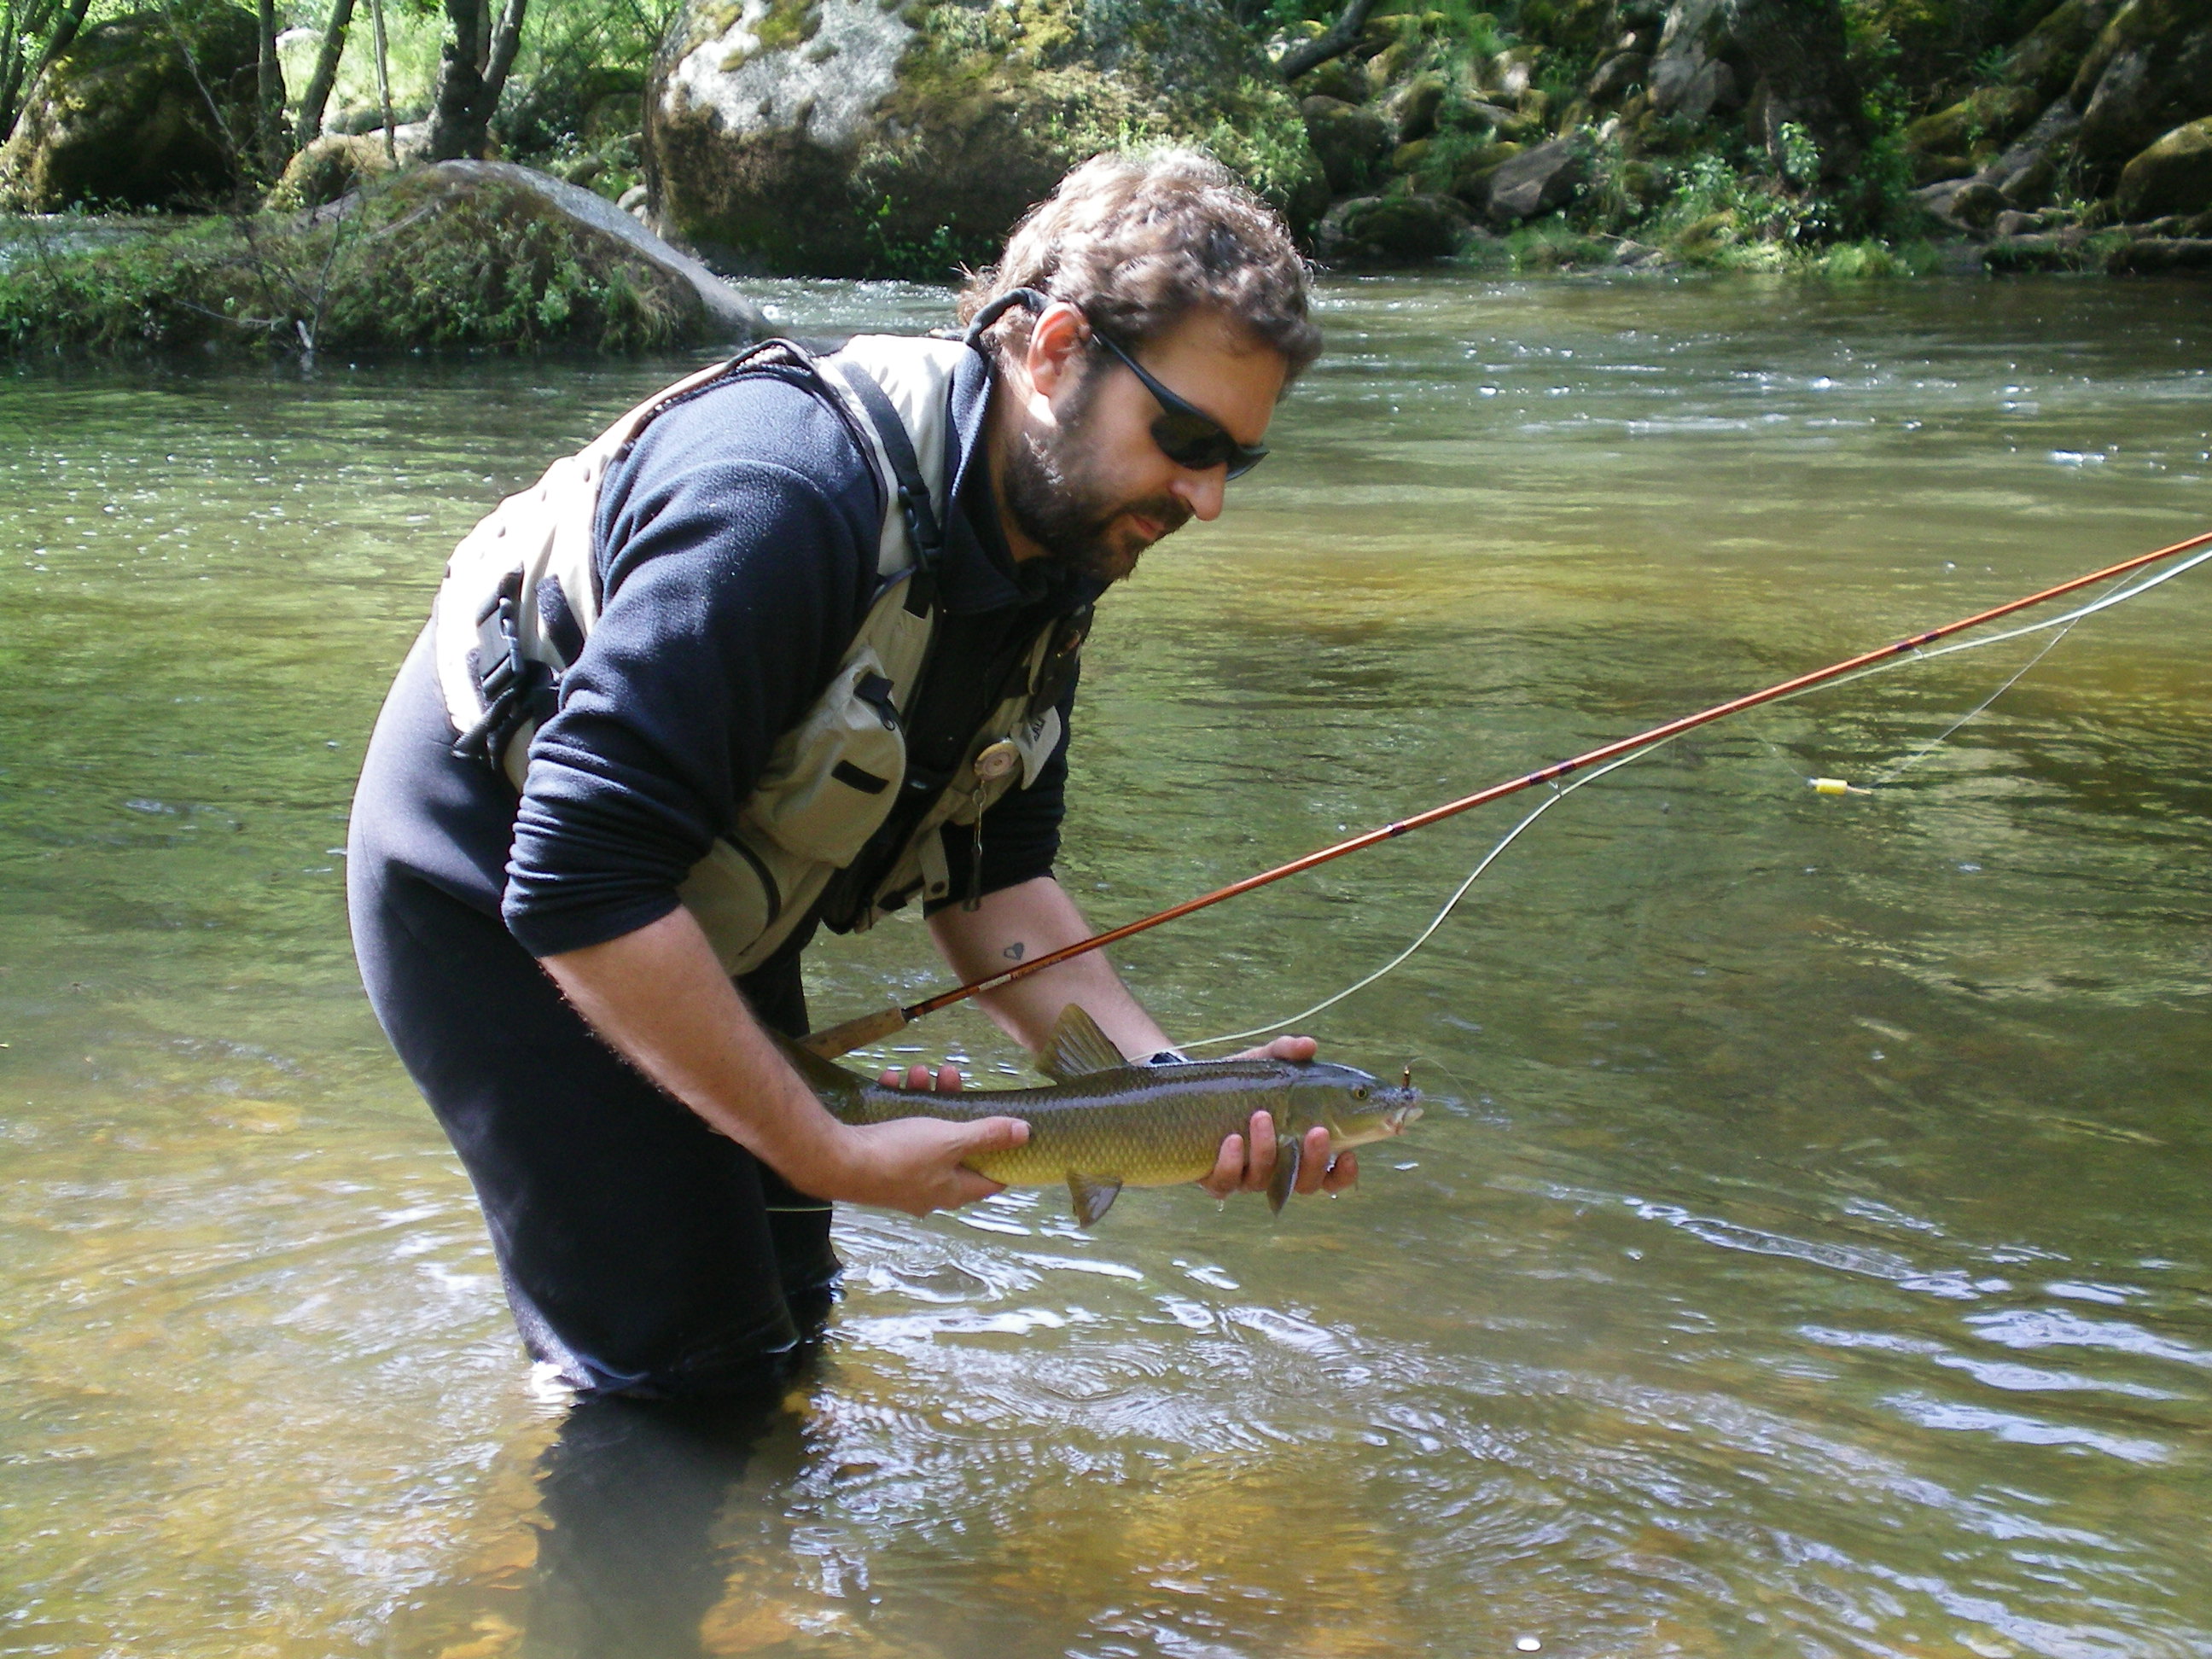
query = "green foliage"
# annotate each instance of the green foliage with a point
(938, 256)
(1801, 156)
(490, 269)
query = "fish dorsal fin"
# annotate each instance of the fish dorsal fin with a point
(1077, 1047)
(1092, 1196)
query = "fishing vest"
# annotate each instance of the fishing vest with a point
(838, 824)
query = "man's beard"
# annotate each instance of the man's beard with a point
(1055, 502)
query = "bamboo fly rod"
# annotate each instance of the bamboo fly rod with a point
(836, 1040)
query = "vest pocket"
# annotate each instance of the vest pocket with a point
(735, 897)
(829, 784)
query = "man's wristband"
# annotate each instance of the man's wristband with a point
(1168, 1057)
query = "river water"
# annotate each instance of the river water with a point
(1807, 1253)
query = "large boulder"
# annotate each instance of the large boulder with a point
(2175, 175)
(124, 116)
(1352, 141)
(2150, 71)
(1540, 179)
(1689, 75)
(849, 137)
(2027, 171)
(1391, 229)
(334, 165)
(465, 255)
(722, 313)
(1785, 61)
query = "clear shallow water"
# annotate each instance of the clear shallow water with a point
(1810, 1256)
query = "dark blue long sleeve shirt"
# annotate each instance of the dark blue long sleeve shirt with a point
(736, 546)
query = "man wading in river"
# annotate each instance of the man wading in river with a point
(793, 645)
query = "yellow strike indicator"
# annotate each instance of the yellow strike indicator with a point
(1836, 786)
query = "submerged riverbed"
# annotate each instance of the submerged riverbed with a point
(1808, 1255)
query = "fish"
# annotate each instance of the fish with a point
(1104, 1124)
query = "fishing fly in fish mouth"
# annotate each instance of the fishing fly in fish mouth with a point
(791, 644)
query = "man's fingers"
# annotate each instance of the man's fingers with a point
(994, 1134)
(1313, 1165)
(1295, 1049)
(1343, 1173)
(1228, 1172)
(919, 1079)
(1260, 1166)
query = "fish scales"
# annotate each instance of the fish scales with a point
(1108, 1124)
(1149, 1125)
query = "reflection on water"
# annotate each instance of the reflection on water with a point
(1808, 1256)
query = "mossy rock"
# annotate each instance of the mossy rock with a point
(1976, 125)
(1342, 78)
(2173, 175)
(1397, 229)
(460, 256)
(121, 118)
(1351, 140)
(2150, 72)
(853, 137)
(334, 165)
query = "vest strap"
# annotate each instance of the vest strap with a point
(922, 526)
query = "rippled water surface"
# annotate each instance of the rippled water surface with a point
(1810, 1255)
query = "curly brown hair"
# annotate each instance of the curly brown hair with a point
(1138, 239)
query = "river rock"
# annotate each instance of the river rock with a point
(1689, 75)
(120, 118)
(334, 165)
(1414, 107)
(2148, 254)
(1540, 179)
(2175, 175)
(2150, 71)
(844, 137)
(1391, 229)
(1785, 61)
(725, 313)
(1985, 116)
(1351, 140)
(2026, 173)
(1617, 76)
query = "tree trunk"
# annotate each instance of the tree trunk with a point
(270, 125)
(312, 102)
(506, 40)
(456, 129)
(471, 76)
(1341, 36)
(384, 83)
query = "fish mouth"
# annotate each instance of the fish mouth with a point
(1399, 1119)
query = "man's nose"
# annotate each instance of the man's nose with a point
(1202, 491)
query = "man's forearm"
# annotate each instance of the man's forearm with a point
(659, 996)
(1023, 922)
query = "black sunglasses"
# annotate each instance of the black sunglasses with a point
(1187, 435)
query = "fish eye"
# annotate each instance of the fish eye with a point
(1360, 1092)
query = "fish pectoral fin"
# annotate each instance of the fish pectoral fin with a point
(1077, 1047)
(1289, 1154)
(1092, 1196)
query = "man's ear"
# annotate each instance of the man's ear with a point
(1057, 342)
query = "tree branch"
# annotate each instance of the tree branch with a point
(1340, 38)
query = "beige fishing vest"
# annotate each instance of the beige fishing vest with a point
(520, 595)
